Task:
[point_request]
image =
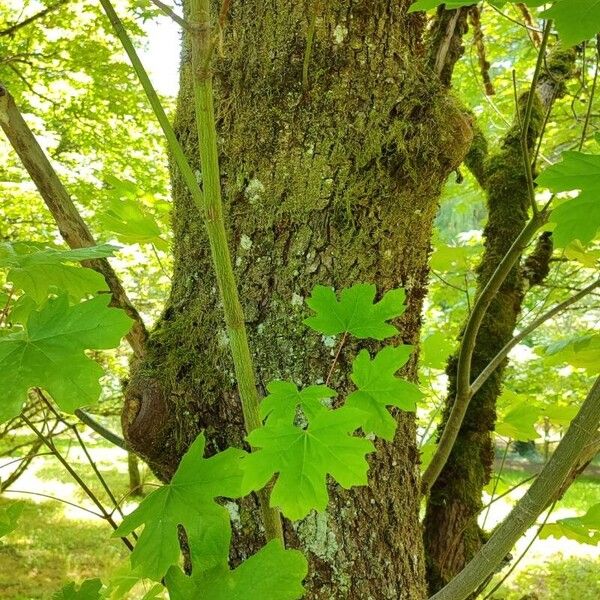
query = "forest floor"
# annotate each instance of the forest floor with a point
(56, 542)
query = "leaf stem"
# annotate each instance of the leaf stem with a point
(337, 355)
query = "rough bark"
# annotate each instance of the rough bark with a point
(452, 534)
(333, 154)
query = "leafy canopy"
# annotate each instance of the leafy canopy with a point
(355, 313)
(378, 387)
(303, 458)
(49, 353)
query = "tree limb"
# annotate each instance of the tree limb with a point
(580, 436)
(497, 360)
(70, 224)
(39, 15)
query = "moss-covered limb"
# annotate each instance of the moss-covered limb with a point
(452, 534)
(503, 353)
(202, 45)
(331, 183)
(544, 490)
(71, 225)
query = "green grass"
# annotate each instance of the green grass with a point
(47, 550)
(570, 579)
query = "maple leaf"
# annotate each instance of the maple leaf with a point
(49, 353)
(378, 387)
(304, 457)
(355, 312)
(272, 573)
(284, 397)
(188, 500)
(575, 20)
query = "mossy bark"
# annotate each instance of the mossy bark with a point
(451, 531)
(333, 154)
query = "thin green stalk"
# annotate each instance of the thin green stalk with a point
(202, 46)
(544, 490)
(173, 143)
(467, 347)
(211, 207)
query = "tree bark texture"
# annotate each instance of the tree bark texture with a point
(335, 140)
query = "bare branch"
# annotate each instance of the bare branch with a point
(40, 15)
(497, 360)
(172, 14)
(70, 224)
(566, 460)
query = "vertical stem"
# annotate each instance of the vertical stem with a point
(202, 45)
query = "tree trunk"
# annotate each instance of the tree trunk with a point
(452, 534)
(335, 140)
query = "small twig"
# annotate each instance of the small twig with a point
(497, 360)
(42, 13)
(589, 107)
(528, 114)
(522, 555)
(167, 10)
(337, 355)
(100, 516)
(90, 494)
(107, 434)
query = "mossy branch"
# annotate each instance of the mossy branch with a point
(202, 46)
(70, 223)
(546, 488)
(467, 347)
(497, 360)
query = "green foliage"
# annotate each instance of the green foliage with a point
(188, 500)
(272, 573)
(89, 590)
(42, 271)
(584, 529)
(582, 352)
(576, 20)
(578, 218)
(355, 313)
(9, 517)
(303, 457)
(284, 397)
(49, 353)
(123, 214)
(378, 387)
(517, 423)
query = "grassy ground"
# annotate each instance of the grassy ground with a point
(56, 543)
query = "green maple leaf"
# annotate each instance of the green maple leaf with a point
(575, 20)
(188, 500)
(578, 218)
(284, 397)
(89, 590)
(378, 388)
(9, 517)
(38, 271)
(49, 353)
(272, 573)
(304, 457)
(517, 423)
(355, 312)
